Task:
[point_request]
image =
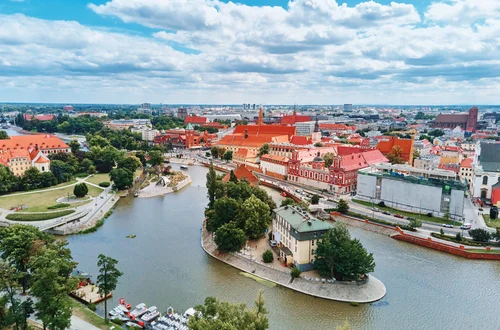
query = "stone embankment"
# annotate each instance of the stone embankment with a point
(153, 192)
(364, 224)
(366, 292)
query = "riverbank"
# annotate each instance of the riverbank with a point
(367, 292)
(153, 191)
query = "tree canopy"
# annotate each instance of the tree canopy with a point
(264, 150)
(122, 178)
(230, 238)
(107, 278)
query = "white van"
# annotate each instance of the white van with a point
(466, 226)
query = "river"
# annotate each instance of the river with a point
(165, 265)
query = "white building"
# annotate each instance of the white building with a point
(148, 134)
(486, 169)
(274, 164)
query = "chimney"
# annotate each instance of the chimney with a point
(246, 133)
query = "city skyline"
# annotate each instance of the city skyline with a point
(213, 52)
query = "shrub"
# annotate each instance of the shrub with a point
(58, 206)
(315, 199)
(441, 231)
(267, 256)
(80, 190)
(117, 321)
(480, 235)
(414, 223)
(92, 307)
(381, 204)
(430, 215)
(458, 237)
(105, 184)
(295, 272)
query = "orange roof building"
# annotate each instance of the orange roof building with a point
(195, 120)
(243, 173)
(388, 143)
(19, 153)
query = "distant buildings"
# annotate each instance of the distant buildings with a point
(347, 107)
(68, 108)
(127, 123)
(185, 138)
(145, 109)
(48, 117)
(182, 113)
(22, 152)
(410, 189)
(466, 121)
(297, 233)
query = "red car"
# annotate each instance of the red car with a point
(398, 216)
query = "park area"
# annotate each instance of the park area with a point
(493, 223)
(41, 200)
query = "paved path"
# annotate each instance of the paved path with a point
(78, 180)
(79, 324)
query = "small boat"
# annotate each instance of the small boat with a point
(151, 314)
(133, 325)
(183, 167)
(136, 194)
(124, 303)
(121, 308)
(138, 311)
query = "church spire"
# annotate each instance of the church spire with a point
(316, 125)
(259, 122)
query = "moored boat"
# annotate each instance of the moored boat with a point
(151, 314)
(183, 167)
(138, 311)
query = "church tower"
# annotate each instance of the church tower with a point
(189, 136)
(261, 116)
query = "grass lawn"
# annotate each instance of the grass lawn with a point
(493, 223)
(98, 178)
(40, 201)
(484, 251)
(86, 314)
(422, 217)
(37, 216)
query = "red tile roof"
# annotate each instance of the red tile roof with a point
(256, 130)
(362, 160)
(274, 158)
(39, 117)
(336, 127)
(300, 140)
(467, 162)
(195, 120)
(456, 118)
(29, 142)
(290, 120)
(450, 167)
(386, 144)
(243, 173)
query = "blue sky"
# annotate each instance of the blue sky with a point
(210, 51)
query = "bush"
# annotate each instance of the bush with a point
(117, 321)
(58, 206)
(37, 216)
(415, 223)
(80, 190)
(295, 272)
(381, 204)
(105, 184)
(480, 235)
(315, 199)
(92, 307)
(458, 237)
(430, 215)
(441, 231)
(267, 256)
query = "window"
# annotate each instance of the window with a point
(295, 249)
(485, 179)
(312, 242)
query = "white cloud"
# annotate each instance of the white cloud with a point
(463, 11)
(313, 51)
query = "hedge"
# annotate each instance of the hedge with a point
(37, 216)
(58, 206)
(105, 184)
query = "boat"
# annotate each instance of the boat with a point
(138, 311)
(124, 303)
(133, 325)
(283, 194)
(184, 167)
(151, 314)
(136, 194)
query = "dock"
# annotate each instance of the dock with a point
(88, 295)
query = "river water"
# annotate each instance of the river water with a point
(165, 265)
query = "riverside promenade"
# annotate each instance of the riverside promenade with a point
(367, 292)
(153, 190)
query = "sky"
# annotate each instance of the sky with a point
(250, 51)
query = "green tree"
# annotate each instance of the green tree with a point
(170, 147)
(18, 311)
(122, 178)
(339, 256)
(130, 163)
(217, 315)
(262, 195)
(318, 144)
(228, 155)
(74, 145)
(480, 235)
(62, 171)
(86, 166)
(141, 156)
(211, 184)
(155, 158)
(47, 179)
(18, 244)
(315, 199)
(98, 141)
(496, 236)
(230, 238)
(232, 177)
(295, 272)
(214, 151)
(342, 206)
(31, 179)
(394, 156)
(328, 158)
(254, 217)
(3, 135)
(107, 278)
(225, 210)
(264, 150)
(52, 283)
(8, 181)
(287, 201)
(267, 256)
(105, 158)
(80, 190)
(415, 223)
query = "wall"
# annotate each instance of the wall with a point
(410, 194)
(457, 202)
(366, 185)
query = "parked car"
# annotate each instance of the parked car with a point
(466, 226)
(400, 216)
(386, 213)
(375, 209)
(273, 243)
(447, 225)
(410, 218)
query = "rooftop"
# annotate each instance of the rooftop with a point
(301, 220)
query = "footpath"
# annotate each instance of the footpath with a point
(366, 292)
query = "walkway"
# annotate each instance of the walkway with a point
(80, 324)
(368, 292)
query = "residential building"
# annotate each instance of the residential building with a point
(47, 117)
(297, 233)
(22, 152)
(127, 123)
(243, 173)
(409, 192)
(486, 169)
(466, 174)
(294, 119)
(337, 129)
(182, 113)
(388, 144)
(347, 107)
(185, 138)
(148, 134)
(305, 128)
(426, 162)
(195, 120)
(274, 165)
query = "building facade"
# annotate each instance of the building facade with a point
(486, 169)
(297, 233)
(466, 121)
